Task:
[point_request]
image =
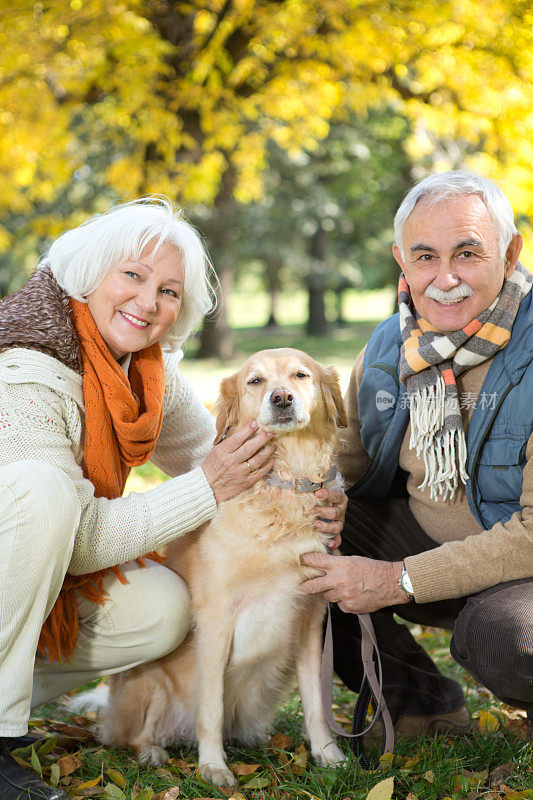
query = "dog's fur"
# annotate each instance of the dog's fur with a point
(252, 627)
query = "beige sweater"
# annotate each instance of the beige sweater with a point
(42, 419)
(469, 558)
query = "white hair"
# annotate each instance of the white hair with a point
(80, 258)
(447, 185)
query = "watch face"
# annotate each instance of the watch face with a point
(406, 584)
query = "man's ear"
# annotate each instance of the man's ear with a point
(513, 253)
(227, 407)
(396, 252)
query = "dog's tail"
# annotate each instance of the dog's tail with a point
(91, 700)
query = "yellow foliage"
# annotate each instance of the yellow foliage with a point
(171, 100)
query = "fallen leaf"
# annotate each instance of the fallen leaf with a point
(525, 794)
(342, 718)
(35, 763)
(280, 741)
(181, 764)
(386, 760)
(256, 781)
(237, 796)
(117, 777)
(113, 792)
(411, 796)
(67, 765)
(88, 784)
(54, 775)
(429, 776)
(487, 722)
(47, 746)
(382, 790)
(502, 771)
(301, 758)
(75, 731)
(238, 768)
(410, 764)
(147, 794)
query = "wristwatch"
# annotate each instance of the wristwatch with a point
(405, 584)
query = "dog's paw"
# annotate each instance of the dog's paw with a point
(329, 754)
(219, 776)
(154, 756)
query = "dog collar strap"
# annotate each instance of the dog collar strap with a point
(273, 478)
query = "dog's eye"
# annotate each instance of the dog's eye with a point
(302, 375)
(255, 381)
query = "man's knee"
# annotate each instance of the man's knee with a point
(493, 640)
(42, 498)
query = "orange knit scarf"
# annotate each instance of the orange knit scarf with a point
(122, 422)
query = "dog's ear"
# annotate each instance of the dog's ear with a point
(227, 407)
(331, 393)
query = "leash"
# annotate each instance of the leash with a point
(371, 690)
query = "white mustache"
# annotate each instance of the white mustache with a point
(452, 296)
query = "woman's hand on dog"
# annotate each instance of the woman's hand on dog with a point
(330, 518)
(359, 585)
(238, 462)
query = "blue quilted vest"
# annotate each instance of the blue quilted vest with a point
(501, 424)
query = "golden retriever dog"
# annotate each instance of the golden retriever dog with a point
(252, 628)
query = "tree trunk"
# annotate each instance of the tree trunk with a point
(272, 320)
(216, 337)
(317, 324)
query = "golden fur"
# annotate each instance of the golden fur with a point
(252, 628)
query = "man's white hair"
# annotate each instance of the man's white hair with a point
(80, 258)
(448, 185)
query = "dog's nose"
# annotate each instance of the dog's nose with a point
(281, 398)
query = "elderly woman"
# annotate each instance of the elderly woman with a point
(85, 395)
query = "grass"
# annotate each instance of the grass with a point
(494, 762)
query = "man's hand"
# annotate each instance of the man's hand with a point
(330, 519)
(359, 585)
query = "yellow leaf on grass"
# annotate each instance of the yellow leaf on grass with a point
(145, 794)
(487, 722)
(386, 760)
(117, 777)
(238, 768)
(525, 794)
(429, 776)
(237, 796)
(382, 790)
(89, 784)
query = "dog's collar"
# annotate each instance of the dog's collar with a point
(274, 478)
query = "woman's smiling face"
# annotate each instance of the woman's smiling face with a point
(138, 301)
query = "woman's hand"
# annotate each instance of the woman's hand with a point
(238, 462)
(330, 518)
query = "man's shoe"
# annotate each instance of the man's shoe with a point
(14, 742)
(18, 783)
(456, 722)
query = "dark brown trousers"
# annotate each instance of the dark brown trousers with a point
(492, 630)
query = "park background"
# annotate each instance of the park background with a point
(289, 131)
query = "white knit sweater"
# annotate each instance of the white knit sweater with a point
(42, 419)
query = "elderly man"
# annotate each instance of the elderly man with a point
(439, 461)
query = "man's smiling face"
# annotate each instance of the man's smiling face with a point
(453, 263)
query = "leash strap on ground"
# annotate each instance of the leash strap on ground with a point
(371, 689)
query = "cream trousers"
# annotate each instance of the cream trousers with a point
(142, 620)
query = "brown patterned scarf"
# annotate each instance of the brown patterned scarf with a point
(429, 363)
(122, 417)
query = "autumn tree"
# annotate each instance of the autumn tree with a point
(183, 96)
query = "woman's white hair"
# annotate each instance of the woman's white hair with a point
(80, 258)
(447, 185)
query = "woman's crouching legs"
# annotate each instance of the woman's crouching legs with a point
(143, 619)
(39, 517)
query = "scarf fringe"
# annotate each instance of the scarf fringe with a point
(444, 455)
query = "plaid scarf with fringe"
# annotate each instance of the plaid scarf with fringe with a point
(430, 361)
